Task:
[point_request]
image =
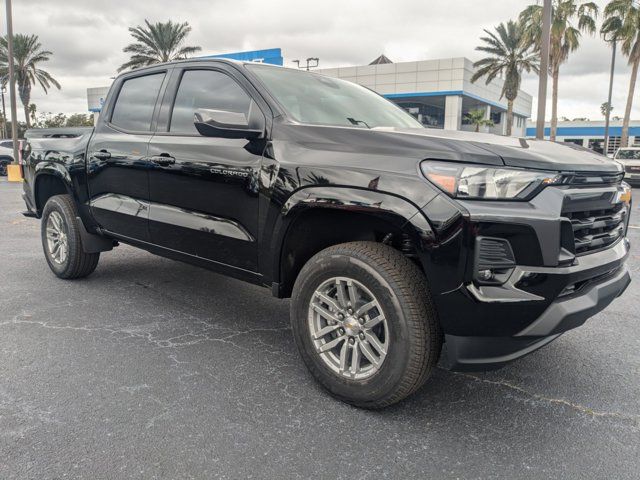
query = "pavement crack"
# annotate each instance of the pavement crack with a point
(556, 401)
(150, 333)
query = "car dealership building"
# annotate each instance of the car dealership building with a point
(439, 93)
(591, 134)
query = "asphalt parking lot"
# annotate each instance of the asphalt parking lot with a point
(154, 369)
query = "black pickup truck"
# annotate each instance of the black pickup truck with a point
(392, 240)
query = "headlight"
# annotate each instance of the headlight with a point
(624, 193)
(487, 183)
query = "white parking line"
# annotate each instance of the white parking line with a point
(634, 226)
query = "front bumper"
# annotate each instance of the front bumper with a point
(468, 353)
(551, 287)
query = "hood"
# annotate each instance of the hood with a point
(528, 153)
(351, 145)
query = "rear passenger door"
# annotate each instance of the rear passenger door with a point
(117, 163)
(204, 190)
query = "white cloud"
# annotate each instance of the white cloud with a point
(87, 37)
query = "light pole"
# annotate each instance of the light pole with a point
(312, 62)
(608, 115)
(544, 68)
(12, 85)
(3, 89)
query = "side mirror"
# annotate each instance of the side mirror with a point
(220, 123)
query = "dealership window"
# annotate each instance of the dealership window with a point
(136, 101)
(496, 117)
(428, 115)
(614, 145)
(206, 89)
(596, 144)
(577, 141)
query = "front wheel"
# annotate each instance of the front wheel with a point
(364, 323)
(61, 240)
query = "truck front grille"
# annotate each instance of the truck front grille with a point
(597, 229)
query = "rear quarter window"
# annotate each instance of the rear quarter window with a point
(136, 102)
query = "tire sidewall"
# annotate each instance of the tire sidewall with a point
(54, 205)
(385, 381)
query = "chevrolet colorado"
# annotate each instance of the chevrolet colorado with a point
(392, 240)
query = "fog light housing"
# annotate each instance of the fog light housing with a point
(494, 261)
(485, 275)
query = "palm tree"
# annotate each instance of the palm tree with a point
(605, 108)
(565, 37)
(509, 57)
(157, 43)
(622, 22)
(477, 119)
(27, 54)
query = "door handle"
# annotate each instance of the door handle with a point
(102, 155)
(164, 159)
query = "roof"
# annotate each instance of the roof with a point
(382, 59)
(187, 60)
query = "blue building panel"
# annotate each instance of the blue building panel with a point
(585, 131)
(272, 56)
(447, 93)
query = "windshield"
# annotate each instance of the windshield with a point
(320, 100)
(628, 154)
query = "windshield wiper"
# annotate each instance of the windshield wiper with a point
(358, 122)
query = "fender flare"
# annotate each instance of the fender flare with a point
(51, 169)
(392, 208)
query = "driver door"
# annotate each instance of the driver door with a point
(203, 191)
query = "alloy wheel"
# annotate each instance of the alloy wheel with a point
(57, 238)
(348, 328)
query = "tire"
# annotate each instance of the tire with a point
(409, 332)
(69, 260)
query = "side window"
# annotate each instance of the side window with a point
(135, 103)
(206, 89)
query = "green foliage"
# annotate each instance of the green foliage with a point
(622, 24)
(22, 128)
(477, 119)
(27, 55)
(605, 108)
(509, 56)
(569, 19)
(32, 112)
(157, 43)
(49, 120)
(80, 120)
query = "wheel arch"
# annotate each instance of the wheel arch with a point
(50, 179)
(315, 218)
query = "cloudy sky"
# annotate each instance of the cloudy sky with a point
(87, 37)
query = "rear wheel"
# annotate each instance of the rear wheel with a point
(364, 323)
(61, 240)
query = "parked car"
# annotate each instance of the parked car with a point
(6, 155)
(392, 240)
(630, 159)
